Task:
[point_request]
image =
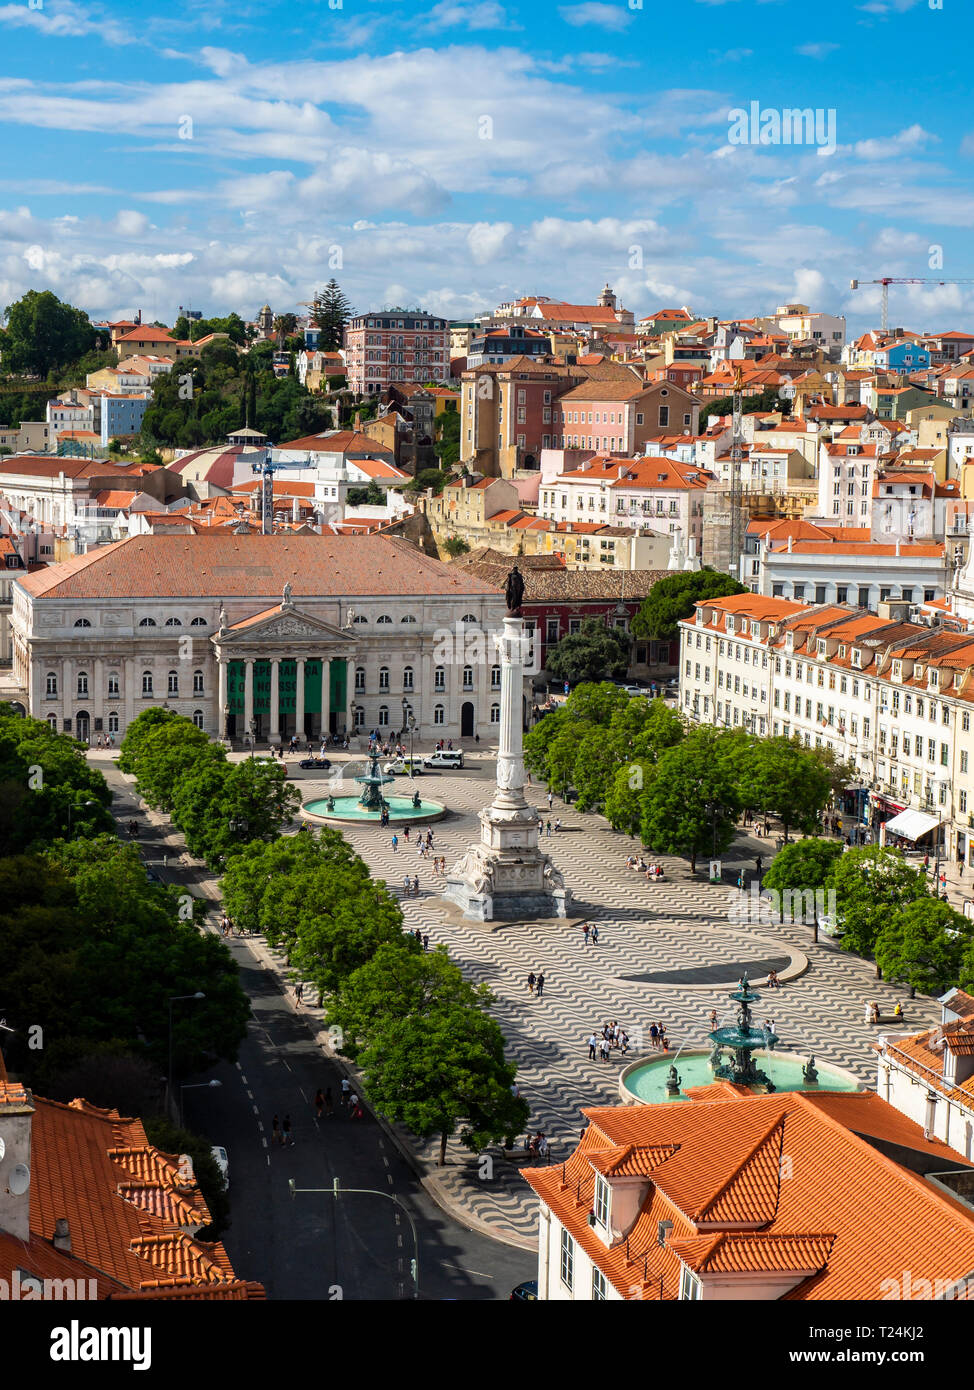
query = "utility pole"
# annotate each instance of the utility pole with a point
(337, 1190)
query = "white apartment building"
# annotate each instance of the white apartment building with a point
(892, 698)
(864, 572)
(653, 493)
(929, 1076)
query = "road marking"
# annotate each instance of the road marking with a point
(264, 1142)
(250, 1093)
(239, 1067)
(260, 1125)
(399, 1241)
(389, 1179)
(386, 1162)
(382, 1143)
(399, 1266)
(256, 1111)
(398, 1219)
(479, 1272)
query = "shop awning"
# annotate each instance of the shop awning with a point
(911, 824)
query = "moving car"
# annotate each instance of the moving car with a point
(222, 1162)
(322, 764)
(525, 1293)
(402, 767)
(445, 757)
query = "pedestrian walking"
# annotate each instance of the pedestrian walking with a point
(531, 982)
(275, 1130)
(713, 1020)
(405, 834)
(329, 1103)
(299, 994)
(540, 986)
(593, 1043)
(319, 1104)
(286, 1136)
(604, 1048)
(415, 885)
(426, 941)
(395, 844)
(346, 1090)
(548, 828)
(550, 800)
(624, 1043)
(585, 931)
(653, 1034)
(407, 881)
(594, 938)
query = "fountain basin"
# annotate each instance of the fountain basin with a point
(644, 1082)
(348, 810)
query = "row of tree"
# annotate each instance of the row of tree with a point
(432, 1057)
(219, 806)
(680, 789)
(884, 909)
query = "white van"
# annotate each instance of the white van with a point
(445, 757)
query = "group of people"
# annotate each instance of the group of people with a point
(422, 938)
(872, 1013)
(446, 745)
(637, 862)
(227, 926)
(325, 1105)
(105, 741)
(612, 1039)
(590, 932)
(538, 1146)
(281, 1131)
(773, 981)
(410, 886)
(536, 983)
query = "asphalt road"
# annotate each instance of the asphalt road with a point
(312, 1245)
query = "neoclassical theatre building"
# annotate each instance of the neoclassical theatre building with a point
(270, 634)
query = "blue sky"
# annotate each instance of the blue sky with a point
(457, 153)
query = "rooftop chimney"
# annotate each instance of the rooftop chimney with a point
(16, 1112)
(62, 1235)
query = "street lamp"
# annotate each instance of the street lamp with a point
(175, 1000)
(194, 1086)
(71, 808)
(336, 1189)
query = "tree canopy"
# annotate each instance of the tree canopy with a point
(43, 334)
(594, 653)
(673, 599)
(330, 312)
(870, 884)
(923, 943)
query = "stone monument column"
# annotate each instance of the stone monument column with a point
(510, 751)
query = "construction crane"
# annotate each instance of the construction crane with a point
(887, 280)
(736, 479)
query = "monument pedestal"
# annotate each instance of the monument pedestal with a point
(507, 876)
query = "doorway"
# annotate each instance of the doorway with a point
(466, 719)
(82, 726)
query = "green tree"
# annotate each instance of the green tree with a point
(538, 741)
(140, 729)
(434, 478)
(923, 944)
(673, 599)
(870, 884)
(788, 781)
(171, 1139)
(625, 798)
(43, 334)
(167, 753)
(691, 804)
(371, 496)
(442, 1071)
(802, 867)
(284, 326)
(456, 545)
(446, 427)
(48, 790)
(330, 313)
(595, 653)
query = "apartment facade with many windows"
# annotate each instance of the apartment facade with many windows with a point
(400, 345)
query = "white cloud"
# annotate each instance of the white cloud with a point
(129, 223)
(611, 17)
(64, 19)
(914, 137)
(470, 14)
(816, 50)
(488, 240)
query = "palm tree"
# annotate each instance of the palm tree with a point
(284, 326)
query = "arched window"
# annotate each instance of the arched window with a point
(439, 678)
(383, 618)
(198, 684)
(359, 678)
(383, 716)
(113, 683)
(407, 678)
(113, 722)
(468, 618)
(360, 618)
(51, 683)
(468, 678)
(199, 622)
(198, 718)
(82, 622)
(174, 622)
(52, 723)
(82, 683)
(358, 716)
(173, 683)
(408, 618)
(146, 682)
(495, 678)
(383, 677)
(495, 714)
(439, 714)
(147, 622)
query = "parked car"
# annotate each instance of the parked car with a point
(527, 1292)
(402, 767)
(222, 1162)
(322, 764)
(445, 757)
(632, 689)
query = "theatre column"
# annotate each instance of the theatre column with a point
(223, 697)
(275, 728)
(299, 698)
(248, 695)
(325, 696)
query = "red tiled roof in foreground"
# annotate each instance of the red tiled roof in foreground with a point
(131, 1211)
(834, 1221)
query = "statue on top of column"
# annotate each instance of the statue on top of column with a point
(287, 595)
(223, 617)
(515, 591)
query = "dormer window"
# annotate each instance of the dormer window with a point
(897, 670)
(856, 657)
(933, 677)
(730, 623)
(600, 1203)
(822, 646)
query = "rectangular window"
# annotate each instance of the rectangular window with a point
(598, 1285)
(689, 1285)
(567, 1259)
(601, 1202)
